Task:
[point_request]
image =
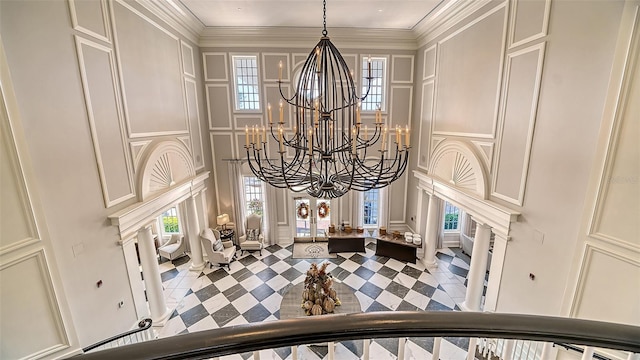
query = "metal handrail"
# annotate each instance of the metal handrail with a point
(143, 325)
(390, 324)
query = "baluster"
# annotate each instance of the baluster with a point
(526, 347)
(365, 349)
(471, 351)
(507, 349)
(332, 350)
(436, 348)
(633, 356)
(256, 355)
(548, 351)
(587, 354)
(294, 352)
(401, 343)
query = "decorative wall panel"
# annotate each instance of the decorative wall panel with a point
(429, 66)
(216, 67)
(240, 121)
(105, 120)
(270, 67)
(426, 108)
(401, 99)
(469, 70)
(530, 20)
(219, 106)
(90, 18)
(29, 277)
(151, 74)
(222, 146)
(518, 114)
(272, 96)
(193, 113)
(188, 66)
(402, 69)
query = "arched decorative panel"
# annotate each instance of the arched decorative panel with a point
(457, 163)
(166, 164)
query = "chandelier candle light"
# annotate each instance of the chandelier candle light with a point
(330, 151)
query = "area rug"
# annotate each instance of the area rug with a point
(312, 250)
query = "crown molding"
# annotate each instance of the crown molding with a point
(443, 18)
(303, 37)
(183, 21)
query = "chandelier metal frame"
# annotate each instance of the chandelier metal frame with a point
(330, 151)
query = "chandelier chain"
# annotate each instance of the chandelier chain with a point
(324, 18)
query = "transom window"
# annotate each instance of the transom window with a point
(375, 98)
(451, 217)
(371, 205)
(245, 71)
(169, 221)
(253, 195)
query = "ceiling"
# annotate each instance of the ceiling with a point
(368, 14)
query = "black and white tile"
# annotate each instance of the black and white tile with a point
(252, 289)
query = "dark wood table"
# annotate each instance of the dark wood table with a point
(397, 248)
(291, 305)
(343, 242)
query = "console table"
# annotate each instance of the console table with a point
(399, 249)
(343, 242)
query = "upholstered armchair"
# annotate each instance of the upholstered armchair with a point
(218, 251)
(253, 239)
(174, 248)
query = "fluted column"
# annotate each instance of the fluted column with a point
(149, 260)
(478, 268)
(431, 236)
(419, 221)
(197, 262)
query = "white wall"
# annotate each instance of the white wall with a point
(529, 99)
(91, 96)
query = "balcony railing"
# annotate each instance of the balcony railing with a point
(396, 324)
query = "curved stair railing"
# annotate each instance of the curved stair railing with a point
(142, 333)
(395, 324)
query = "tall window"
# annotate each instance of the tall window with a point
(169, 221)
(375, 99)
(451, 216)
(245, 71)
(371, 205)
(253, 195)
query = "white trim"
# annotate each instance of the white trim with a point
(105, 22)
(490, 12)
(466, 152)
(184, 45)
(198, 131)
(285, 204)
(432, 72)
(304, 57)
(228, 102)
(183, 22)
(543, 28)
(285, 74)
(306, 38)
(240, 129)
(524, 171)
(445, 17)
(393, 68)
(108, 202)
(137, 156)
(235, 85)
(226, 66)
(485, 211)
(213, 158)
(151, 158)
(488, 158)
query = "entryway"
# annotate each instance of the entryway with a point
(312, 218)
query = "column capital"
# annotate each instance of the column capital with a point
(480, 223)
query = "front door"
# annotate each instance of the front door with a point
(312, 218)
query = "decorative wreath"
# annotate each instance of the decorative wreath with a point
(303, 211)
(323, 210)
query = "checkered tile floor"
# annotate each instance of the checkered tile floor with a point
(251, 291)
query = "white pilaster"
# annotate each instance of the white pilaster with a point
(204, 209)
(419, 221)
(197, 262)
(431, 236)
(495, 272)
(157, 305)
(478, 268)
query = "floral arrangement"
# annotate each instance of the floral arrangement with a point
(318, 296)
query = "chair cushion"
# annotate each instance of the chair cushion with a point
(170, 249)
(251, 245)
(217, 245)
(252, 234)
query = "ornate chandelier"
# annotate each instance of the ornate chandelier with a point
(330, 152)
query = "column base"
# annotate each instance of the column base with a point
(465, 307)
(196, 268)
(162, 320)
(430, 264)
